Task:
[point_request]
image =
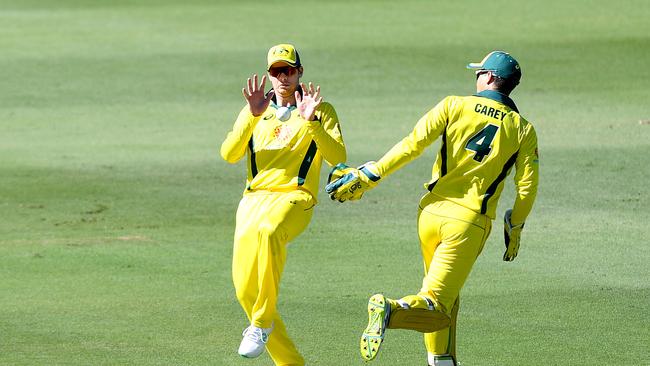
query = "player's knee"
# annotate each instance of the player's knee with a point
(435, 299)
(268, 231)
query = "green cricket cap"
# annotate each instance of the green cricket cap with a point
(502, 64)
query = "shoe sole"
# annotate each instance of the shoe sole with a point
(373, 335)
(250, 357)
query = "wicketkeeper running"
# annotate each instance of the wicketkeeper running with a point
(483, 137)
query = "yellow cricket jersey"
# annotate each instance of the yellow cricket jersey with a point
(285, 156)
(483, 137)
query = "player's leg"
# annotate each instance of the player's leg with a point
(441, 345)
(410, 312)
(245, 269)
(457, 242)
(244, 258)
(461, 241)
(418, 312)
(287, 216)
(280, 346)
(265, 224)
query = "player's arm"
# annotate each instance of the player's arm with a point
(526, 180)
(349, 183)
(326, 132)
(234, 147)
(323, 124)
(426, 130)
(526, 177)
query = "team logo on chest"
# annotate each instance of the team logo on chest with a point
(282, 136)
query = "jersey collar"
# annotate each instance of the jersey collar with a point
(501, 98)
(272, 104)
(274, 101)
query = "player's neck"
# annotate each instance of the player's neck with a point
(283, 101)
(487, 87)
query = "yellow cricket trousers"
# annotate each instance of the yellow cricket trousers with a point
(266, 222)
(451, 238)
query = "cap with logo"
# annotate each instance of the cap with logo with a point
(501, 64)
(283, 53)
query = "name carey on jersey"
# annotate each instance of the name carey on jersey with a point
(490, 112)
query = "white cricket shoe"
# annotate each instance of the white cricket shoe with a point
(440, 360)
(254, 341)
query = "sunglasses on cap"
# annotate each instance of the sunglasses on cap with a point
(287, 70)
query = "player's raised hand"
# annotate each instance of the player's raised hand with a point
(254, 94)
(309, 101)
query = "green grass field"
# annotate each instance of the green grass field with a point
(117, 213)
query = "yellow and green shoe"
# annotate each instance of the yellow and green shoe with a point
(373, 335)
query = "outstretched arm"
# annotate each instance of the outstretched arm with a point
(349, 183)
(427, 130)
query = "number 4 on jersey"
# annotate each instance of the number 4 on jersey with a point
(480, 143)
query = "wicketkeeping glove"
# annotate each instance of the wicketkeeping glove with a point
(337, 172)
(349, 184)
(511, 233)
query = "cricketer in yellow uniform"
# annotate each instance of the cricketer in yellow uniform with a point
(483, 138)
(284, 154)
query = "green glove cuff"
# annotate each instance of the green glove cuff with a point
(511, 234)
(508, 224)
